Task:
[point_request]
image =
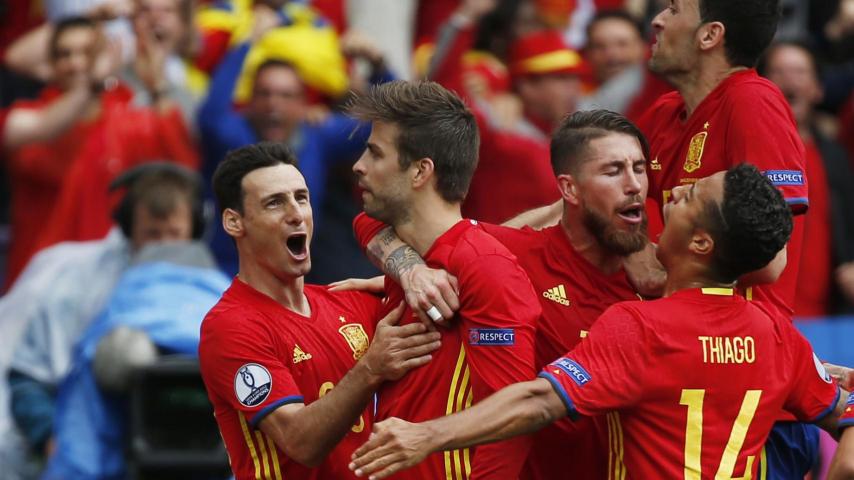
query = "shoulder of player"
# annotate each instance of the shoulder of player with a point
(476, 243)
(345, 300)
(753, 92)
(516, 238)
(229, 317)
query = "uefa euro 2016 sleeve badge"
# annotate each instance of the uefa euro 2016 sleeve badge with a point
(695, 152)
(356, 338)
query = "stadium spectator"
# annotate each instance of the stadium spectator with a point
(599, 161)
(65, 287)
(617, 55)
(107, 136)
(722, 114)
(544, 75)
(157, 306)
(717, 229)
(415, 171)
(275, 112)
(291, 368)
(829, 225)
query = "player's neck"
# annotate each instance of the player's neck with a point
(287, 292)
(688, 275)
(586, 245)
(428, 220)
(694, 86)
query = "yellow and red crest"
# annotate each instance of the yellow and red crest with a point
(695, 152)
(356, 338)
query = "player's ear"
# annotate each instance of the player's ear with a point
(568, 187)
(232, 223)
(422, 171)
(702, 242)
(710, 35)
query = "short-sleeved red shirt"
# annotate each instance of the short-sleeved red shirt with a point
(257, 356)
(745, 119)
(490, 345)
(692, 384)
(573, 294)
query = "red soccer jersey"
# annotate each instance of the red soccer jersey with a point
(692, 384)
(573, 294)
(257, 356)
(490, 345)
(744, 119)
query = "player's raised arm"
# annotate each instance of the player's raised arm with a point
(514, 410)
(307, 433)
(433, 294)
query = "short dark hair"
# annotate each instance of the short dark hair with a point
(228, 177)
(750, 26)
(433, 123)
(615, 15)
(62, 26)
(274, 63)
(570, 140)
(750, 225)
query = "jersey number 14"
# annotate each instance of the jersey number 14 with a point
(693, 399)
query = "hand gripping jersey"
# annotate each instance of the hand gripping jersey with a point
(573, 294)
(489, 345)
(692, 384)
(745, 119)
(257, 356)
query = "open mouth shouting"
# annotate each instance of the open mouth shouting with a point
(297, 244)
(632, 213)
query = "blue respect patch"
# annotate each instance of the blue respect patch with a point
(492, 337)
(575, 371)
(785, 177)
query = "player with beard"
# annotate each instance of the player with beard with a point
(415, 173)
(598, 158)
(693, 381)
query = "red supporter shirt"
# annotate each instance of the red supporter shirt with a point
(257, 356)
(744, 119)
(692, 384)
(814, 274)
(489, 346)
(573, 294)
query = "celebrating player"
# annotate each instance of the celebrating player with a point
(272, 346)
(687, 375)
(598, 158)
(415, 172)
(722, 114)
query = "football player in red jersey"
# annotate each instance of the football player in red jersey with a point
(723, 113)
(684, 380)
(599, 160)
(290, 368)
(415, 173)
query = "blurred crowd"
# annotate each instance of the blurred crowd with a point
(115, 114)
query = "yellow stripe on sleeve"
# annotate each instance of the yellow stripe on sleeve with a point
(449, 409)
(263, 449)
(248, 438)
(275, 458)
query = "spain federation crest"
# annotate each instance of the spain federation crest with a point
(695, 152)
(356, 338)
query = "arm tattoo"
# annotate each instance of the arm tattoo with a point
(401, 261)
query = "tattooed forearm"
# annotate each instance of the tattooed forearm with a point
(400, 261)
(388, 252)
